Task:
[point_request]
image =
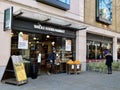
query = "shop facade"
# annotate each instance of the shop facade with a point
(41, 38)
(103, 33)
(63, 29)
(97, 46)
(98, 41)
(44, 28)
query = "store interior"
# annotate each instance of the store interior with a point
(41, 43)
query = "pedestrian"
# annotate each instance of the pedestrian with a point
(109, 60)
(51, 60)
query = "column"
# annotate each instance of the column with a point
(96, 51)
(115, 48)
(81, 48)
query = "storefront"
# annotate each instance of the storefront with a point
(118, 49)
(97, 46)
(41, 37)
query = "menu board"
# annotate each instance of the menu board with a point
(19, 68)
(20, 71)
(15, 71)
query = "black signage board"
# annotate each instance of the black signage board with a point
(21, 24)
(8, 13)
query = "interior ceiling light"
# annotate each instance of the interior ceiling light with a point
(37, 42)
(11, 34)
(53, 43)
(48, 36)
(34, 38)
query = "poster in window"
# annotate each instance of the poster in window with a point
(22, 41)
(68, 45)
(104, 11)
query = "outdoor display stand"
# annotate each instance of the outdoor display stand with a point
(70, 69)
(78, 68)
(15, 71)
(73, 68)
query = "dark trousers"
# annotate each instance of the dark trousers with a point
(109, 69)
(51, 67)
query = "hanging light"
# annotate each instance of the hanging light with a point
(21, 33)
(34, 38)
(29, 42)
(11, 34)
(37, 42)
(48, 36)
(53, 43)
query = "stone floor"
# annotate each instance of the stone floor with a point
(83, 81)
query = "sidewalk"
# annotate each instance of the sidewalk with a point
(84, 81)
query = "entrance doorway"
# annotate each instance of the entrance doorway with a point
(42, 43)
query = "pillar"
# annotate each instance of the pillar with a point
(115, 48)
(81, 48)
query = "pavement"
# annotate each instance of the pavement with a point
(84, 81)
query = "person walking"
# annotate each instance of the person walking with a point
(109, 60)
(51, 60)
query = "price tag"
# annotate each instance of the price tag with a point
(78, 66)
(72, 67)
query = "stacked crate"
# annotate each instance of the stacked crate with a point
(70, 68)
(78, 68)
(73, 67)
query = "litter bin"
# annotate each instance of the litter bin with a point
(34, 70)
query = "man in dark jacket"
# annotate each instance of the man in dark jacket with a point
(51, 60)
(109, 60)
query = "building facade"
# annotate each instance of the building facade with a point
(76, 33)
(44, 25)
(103, 32)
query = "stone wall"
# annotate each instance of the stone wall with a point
(90, 15)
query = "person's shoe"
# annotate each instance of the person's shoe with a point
(109, 73)
(48, 73)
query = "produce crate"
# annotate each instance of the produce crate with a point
(77, 68)
(71, 68)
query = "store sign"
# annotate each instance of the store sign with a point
(8, 18)
(39, 26)
(22, 41)
(104, 11)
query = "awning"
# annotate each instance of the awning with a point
(49, 19)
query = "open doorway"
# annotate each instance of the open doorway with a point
(42, 43)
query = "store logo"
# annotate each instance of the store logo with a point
(39, 26)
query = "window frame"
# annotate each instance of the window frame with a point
(56, 3)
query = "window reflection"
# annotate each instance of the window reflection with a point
(105, 7)
(118, 51)
(65, 1)
(97, 50)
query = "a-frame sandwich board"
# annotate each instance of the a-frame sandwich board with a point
(15, 71)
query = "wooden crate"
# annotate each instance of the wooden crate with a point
(70, 68)
(77, 68)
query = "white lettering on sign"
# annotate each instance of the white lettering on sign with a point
(49, 28)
